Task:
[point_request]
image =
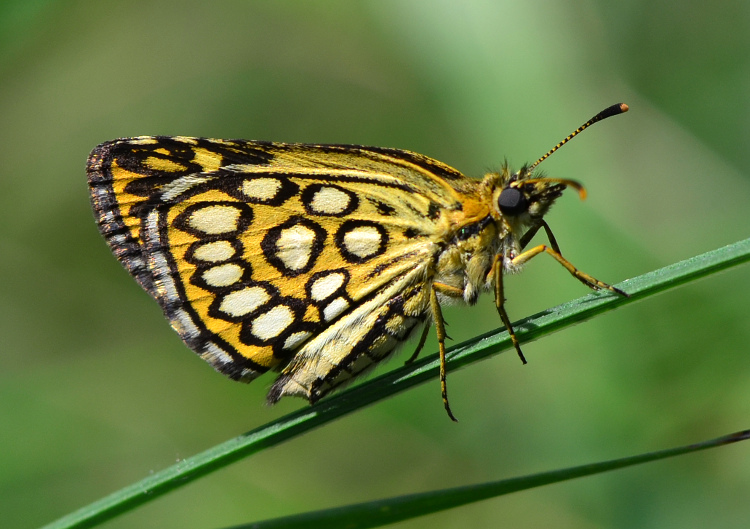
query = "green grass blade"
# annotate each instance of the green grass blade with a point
(399, 380)
(392, 510)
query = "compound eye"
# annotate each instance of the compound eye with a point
(512, 202)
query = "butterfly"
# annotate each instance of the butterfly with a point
(316, 261)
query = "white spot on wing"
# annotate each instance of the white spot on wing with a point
(216, 355)
(118, 239)
(244, 301)
(326, 285)
(334, 308)
(152, 224)
(262, 189)
(272, 323)
(363, 241)
(222, 275)
(294, 246)
(296, 339)
(329, 201)
(157, 263)
(180, 185)
(214, 252)
(215, 220)
(183, 324)
(164, 283)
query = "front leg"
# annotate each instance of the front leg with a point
(583, 277)
(526, 239)
(554, 250)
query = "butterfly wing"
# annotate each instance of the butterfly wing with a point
(310, 258)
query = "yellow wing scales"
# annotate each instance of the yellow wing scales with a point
(311, 259)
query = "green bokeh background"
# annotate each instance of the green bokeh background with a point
(96, 391)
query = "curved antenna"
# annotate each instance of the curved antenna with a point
(604, 114)
(564, 181)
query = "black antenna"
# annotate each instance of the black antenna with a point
(604, 114)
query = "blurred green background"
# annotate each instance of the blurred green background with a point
(96, 390)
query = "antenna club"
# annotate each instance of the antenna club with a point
(608, 112)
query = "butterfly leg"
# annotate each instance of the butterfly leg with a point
(437, 319)
(420, 345)
(500, 304)
(526, 239)
(554, 250)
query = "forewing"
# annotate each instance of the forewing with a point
(260, 251)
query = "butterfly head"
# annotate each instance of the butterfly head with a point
(523, 198)
(526, 197)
